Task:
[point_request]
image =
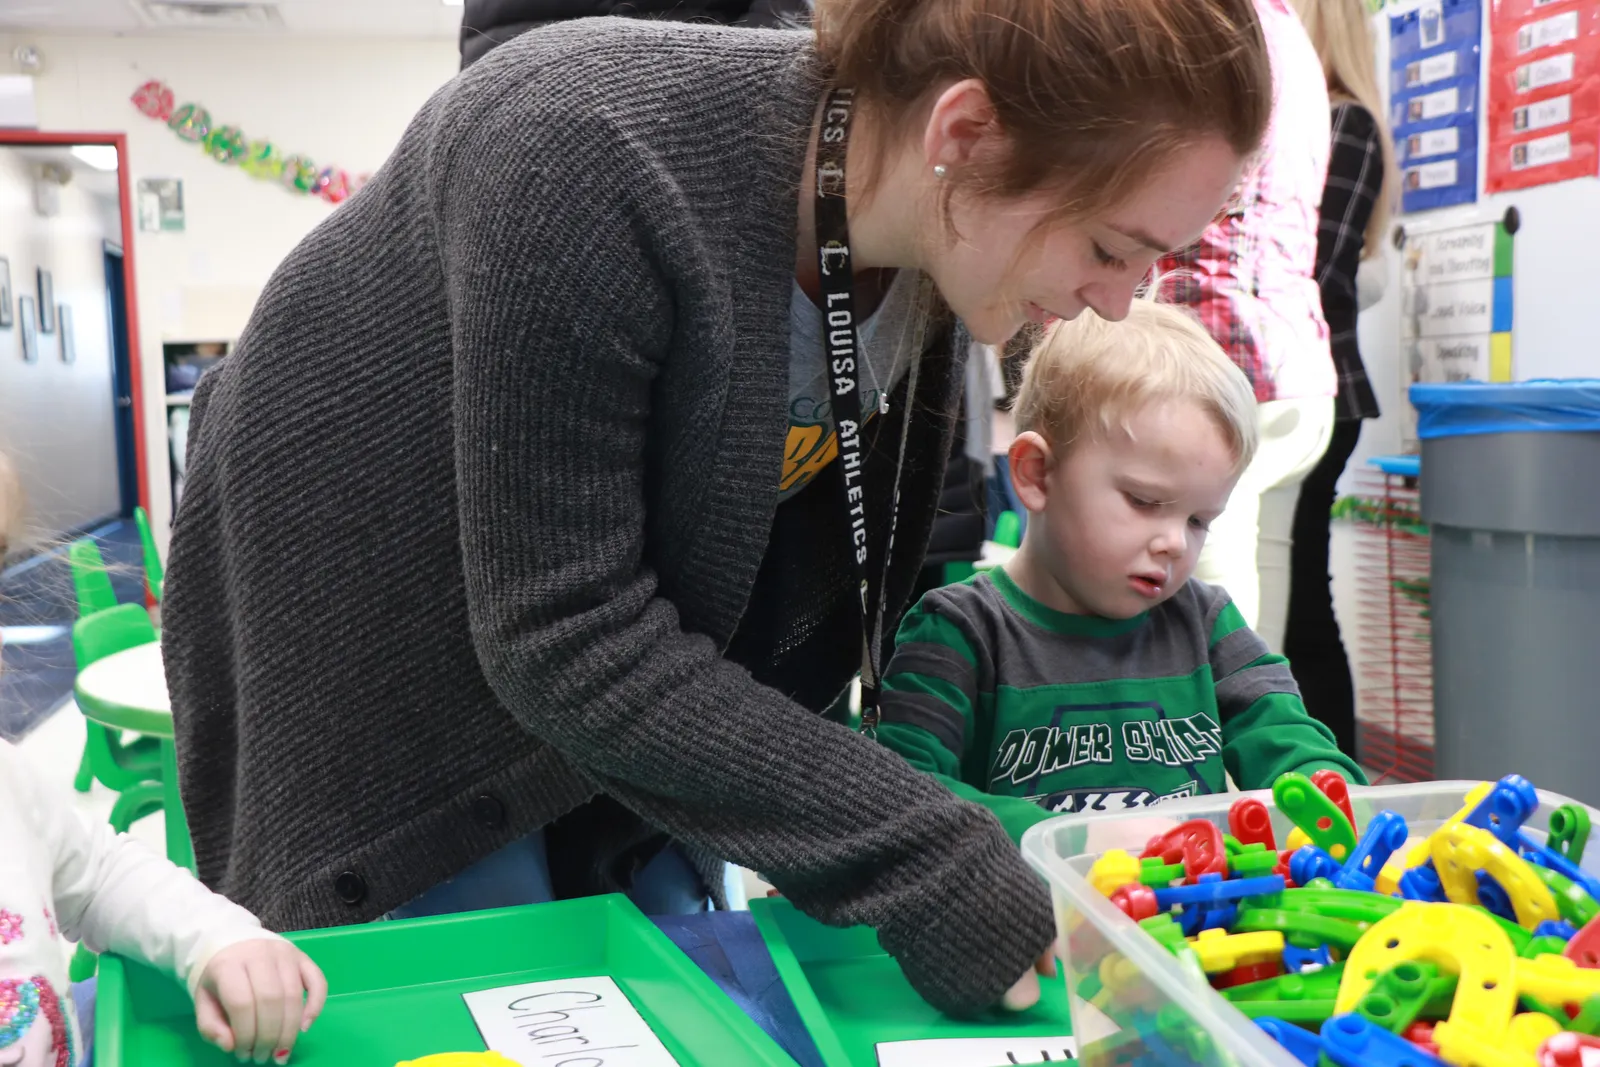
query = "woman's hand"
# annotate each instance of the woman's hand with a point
(1025, 993)
(256, 997)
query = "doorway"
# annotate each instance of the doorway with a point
(121, 381)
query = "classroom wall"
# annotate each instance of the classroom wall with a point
(344, 102)
(56, 419)
(1556, 314)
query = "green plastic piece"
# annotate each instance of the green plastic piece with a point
(400, 987)
(826, 970)
(1254, 862)
(1233, 845)
(1573, 901)
(1310, 809)
(1399, 997)
(1519, 937)
(1165, 929)
(1299, 928)
(1587, 1021)
(1158, 875)
(1543, 1008)
(1346, 904)
(1543, 946)
(1185, 1036)
(1089, 985)
(1310, 985)
(1569, 831)
(1308, 1013)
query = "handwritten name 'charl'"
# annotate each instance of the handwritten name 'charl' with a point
(568, 1022)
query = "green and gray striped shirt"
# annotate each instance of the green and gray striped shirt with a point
(1032, 712)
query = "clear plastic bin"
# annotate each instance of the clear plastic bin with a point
(1146, 1007)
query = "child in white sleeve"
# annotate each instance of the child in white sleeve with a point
(254, 992)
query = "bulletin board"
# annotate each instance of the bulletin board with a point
(1544, 92)
(1434, 54)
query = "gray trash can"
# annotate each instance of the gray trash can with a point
(1511, 491)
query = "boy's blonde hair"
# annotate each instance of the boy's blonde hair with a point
(1091, 376)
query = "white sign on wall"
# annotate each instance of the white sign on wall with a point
(1455, 309)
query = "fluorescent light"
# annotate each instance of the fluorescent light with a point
(98, 156)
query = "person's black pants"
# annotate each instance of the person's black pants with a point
(1311, 638)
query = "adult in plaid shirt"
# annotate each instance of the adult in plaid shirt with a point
(1355, 214)
(1250, 279)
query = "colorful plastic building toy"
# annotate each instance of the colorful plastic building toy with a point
(1251, 823)
(1472, 945)
(1569, 832)
(1336, 789)
(1384, 836)
(1114, 870)
(1319, 817)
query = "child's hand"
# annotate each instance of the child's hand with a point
(256, 997)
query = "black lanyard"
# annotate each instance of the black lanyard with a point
(846, 361)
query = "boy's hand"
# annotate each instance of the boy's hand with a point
(1025, 993)
(256, 997)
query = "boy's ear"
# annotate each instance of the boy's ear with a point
(1031, 461)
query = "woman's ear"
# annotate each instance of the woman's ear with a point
(1031, 461)
(962, 117)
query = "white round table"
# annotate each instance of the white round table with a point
(134, 679)
(127, 690)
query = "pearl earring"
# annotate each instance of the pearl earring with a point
(940, 170)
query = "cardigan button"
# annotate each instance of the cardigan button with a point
(351, 887)
(490, 813)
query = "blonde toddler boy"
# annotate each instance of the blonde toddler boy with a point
(1092, 673)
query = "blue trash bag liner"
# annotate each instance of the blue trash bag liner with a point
(1547, 405)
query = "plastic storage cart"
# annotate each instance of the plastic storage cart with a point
(1512, 495)
(1138, 986)
(1393, 646)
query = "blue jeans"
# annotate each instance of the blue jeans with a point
(520, 874)
(83, 998)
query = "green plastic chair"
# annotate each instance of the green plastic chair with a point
(132, 769)
(90, 579)
(91, 583)
(154, 573)
(1008, 530)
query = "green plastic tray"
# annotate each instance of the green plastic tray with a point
(396, 989)
(852, 996)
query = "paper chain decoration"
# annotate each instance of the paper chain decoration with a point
(257, 157)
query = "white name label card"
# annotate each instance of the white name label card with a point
(978, 1052)
(569, 1022)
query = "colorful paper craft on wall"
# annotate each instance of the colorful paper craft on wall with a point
(1544, 92)
(257, 157)
(1433, 91)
